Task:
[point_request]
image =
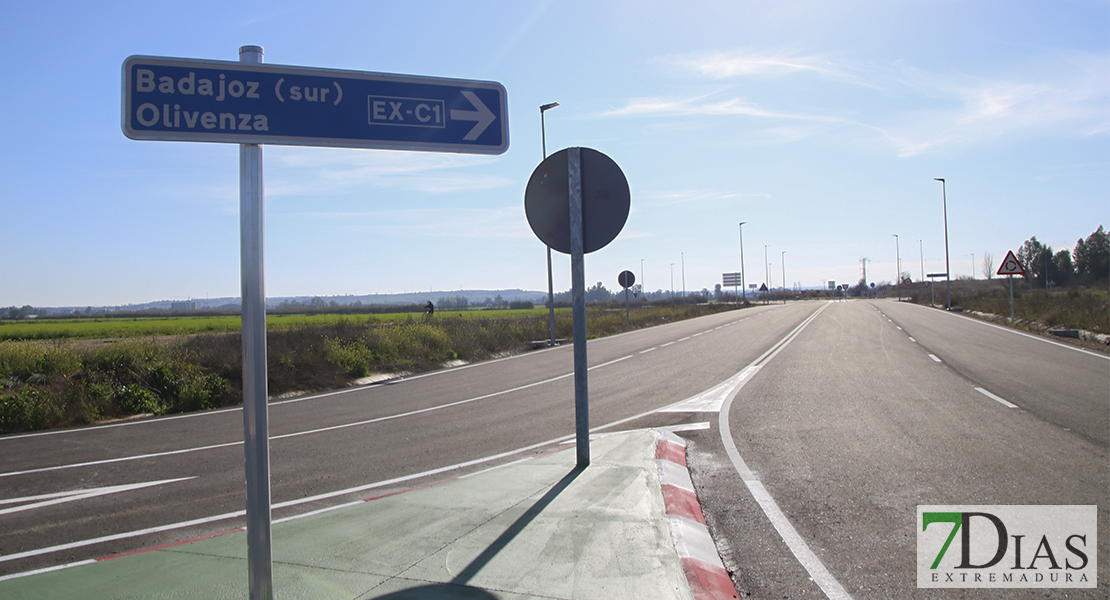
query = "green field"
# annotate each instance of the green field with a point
(132, 327)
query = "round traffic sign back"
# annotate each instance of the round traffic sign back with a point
(627, 279)
(605, 201)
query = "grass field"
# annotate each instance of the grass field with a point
(137, 327)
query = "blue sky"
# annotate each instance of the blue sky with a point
(820, 124)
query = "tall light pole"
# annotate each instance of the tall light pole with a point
(550, 281)
(766, 269)
(743, 271)
(784, 276)
(684, 278)
(643, 288)
(898, 267)
(973, 265)
(921, 255)
(672, 280)
(947, 268)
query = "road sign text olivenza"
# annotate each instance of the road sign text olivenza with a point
(176, 99)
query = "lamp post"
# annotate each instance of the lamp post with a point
(743, 271)
(767, 269)
(784, 277)
(947, 268)
(972, 265)
(898, 267)
(921, 255)
(684, 278)
(672, 281)
(643, 288)
(550, 282)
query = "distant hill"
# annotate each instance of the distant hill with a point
(474, 297)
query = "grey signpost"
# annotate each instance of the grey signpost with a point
(250, 103)
(1010, 267)
(735, 280)
(626, 279)
(577, 201)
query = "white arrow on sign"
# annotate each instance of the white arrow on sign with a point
(484, 116)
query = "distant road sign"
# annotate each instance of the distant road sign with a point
(937, 275)
(1010, 265)
(181, 99)
(626, 279)
(732, 279)
(907, 282)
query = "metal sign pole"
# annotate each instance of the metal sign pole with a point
(578, 285)
(1011, 278)
(256, 446)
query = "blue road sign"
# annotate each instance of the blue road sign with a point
(181, 99)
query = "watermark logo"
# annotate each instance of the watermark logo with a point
(1006, 546)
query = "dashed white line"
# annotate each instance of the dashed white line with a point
(913, 340)
(1005, 403)
(934, 357)
(648, 350)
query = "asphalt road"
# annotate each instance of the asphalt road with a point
(848, 427)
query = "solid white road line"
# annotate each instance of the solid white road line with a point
(817, 571)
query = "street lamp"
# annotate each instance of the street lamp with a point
(672, 280)
(947, 268)
(921, 255)
(743, 271)
(973, 266)
(898, 267)
(767, 270)
(784, 276)
(684, 278)
(550, 281)
(643, 289)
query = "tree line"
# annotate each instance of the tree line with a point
(1088, 264)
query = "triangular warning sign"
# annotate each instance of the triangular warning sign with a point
(763, 288)
(1011, 266)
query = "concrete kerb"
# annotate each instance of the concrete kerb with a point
(530, 529)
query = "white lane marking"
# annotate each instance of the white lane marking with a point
(667, 344)
(697, 334)
(712, 399)
(121, 459)
(685, 338)
(70, 496)
(812, 564)
(1030, 336)
(1005, 403)
(310, 431)
(934, 357)
(79, 563)
(648, 350)
(913, 340)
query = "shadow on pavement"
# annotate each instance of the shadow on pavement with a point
(457, 588)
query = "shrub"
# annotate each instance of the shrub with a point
(28, 409)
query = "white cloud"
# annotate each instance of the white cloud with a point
(507, 222)
(910, 110)
(329, 172)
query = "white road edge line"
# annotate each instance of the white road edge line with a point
(307, 432)
(812, 564)
(1005, 403)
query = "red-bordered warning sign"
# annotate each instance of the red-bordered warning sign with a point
(1010, 265)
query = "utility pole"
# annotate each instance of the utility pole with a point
(743, 271)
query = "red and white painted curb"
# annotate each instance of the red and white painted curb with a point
(705, 573)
